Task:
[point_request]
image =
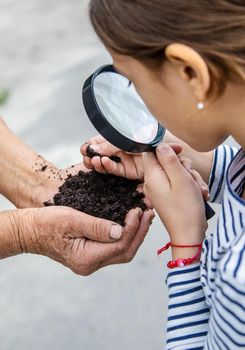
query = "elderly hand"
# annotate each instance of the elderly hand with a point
(81, 242)
(131, 165)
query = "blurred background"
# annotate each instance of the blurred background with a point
(48, 49)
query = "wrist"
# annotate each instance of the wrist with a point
(193, 235)
(24, 233)
(184, 253)
(187, 252)
(33, 185)
(190, 255)
(41, 185)
(22, 180)
(10, 243)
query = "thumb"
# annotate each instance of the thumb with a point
(97, 229)
(151, 169)
(170, 162)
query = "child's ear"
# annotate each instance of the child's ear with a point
(191, 67)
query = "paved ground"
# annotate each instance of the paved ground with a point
(47, 51)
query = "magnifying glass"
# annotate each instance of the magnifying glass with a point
(120, 115)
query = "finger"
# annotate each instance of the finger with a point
(94, 140)
(145, 223)
(96, 162)
(132, 222)
(112, 167)
(153, 169)
(87, 162)
(105, 251)
(126, 168)
(96, 229)
(176, 147)
(105, 148)
(83, 149)
(149, 160)
(202, 184)
(187, 164)
(170, 163)
(147, 201)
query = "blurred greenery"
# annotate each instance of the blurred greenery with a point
(4, 95)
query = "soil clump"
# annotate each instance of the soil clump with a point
(104, 196)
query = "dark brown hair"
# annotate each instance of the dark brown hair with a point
(143, 28)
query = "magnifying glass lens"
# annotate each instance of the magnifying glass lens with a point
(123, 108)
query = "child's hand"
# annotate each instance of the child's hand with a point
(176, 195)
(130, 166)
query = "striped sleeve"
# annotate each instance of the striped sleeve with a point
(227, 320)
(223, 156)
(188, 313)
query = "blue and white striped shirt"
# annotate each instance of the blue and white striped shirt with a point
(207, 299)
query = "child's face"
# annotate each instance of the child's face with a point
(170, 99)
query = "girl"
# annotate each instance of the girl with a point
(187, 61)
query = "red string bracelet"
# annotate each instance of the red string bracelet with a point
(181, 262)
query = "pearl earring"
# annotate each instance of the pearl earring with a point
(200, 106)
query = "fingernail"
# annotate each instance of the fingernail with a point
(208, 197)
(116, 231)
(163, 148)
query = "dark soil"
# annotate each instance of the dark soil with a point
(91, 153)
(44, 167)
(104, 196)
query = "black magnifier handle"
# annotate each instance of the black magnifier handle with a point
(208, 209)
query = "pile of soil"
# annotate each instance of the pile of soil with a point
(104, 196)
